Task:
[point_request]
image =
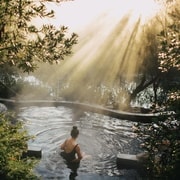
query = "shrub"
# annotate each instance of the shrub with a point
(161, 139)
(13, 142)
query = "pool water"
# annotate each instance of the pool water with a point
(101, 138)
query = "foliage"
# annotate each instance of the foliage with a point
(13, 142)
(169, 45)
(22, 44)
(8, 79)
(168, 56)
(161, 138)
(173, 101)
(161, 64)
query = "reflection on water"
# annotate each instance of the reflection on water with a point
(102, 137)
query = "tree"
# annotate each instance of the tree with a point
(22, 44)
(168, 56)
(161, 67)
(8, 81)
(161, 138)
(148, 73)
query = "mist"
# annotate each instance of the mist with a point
(111, 46)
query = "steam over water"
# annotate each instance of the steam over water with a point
(101, 137)
(111, 49)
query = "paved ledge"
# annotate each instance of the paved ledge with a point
(137, 117)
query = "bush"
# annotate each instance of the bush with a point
(161, 139)
(13, 142)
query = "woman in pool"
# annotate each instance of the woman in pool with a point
(71, 152)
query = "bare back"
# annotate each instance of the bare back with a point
(69, 145)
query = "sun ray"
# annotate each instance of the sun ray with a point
(110, 39)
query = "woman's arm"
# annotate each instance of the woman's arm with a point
(79, 154)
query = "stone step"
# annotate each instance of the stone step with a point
(33, 151)
(130, 161)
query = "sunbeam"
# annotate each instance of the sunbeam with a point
(110, 41)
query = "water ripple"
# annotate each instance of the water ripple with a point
(101, 137)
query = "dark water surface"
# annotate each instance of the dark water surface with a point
(101, 137)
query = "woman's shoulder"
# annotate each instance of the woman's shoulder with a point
(68, 140)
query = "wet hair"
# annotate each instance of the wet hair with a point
(74, 132)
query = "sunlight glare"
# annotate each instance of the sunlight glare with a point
(110, 40)
(79, 13)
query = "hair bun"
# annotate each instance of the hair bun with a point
(74, 127)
